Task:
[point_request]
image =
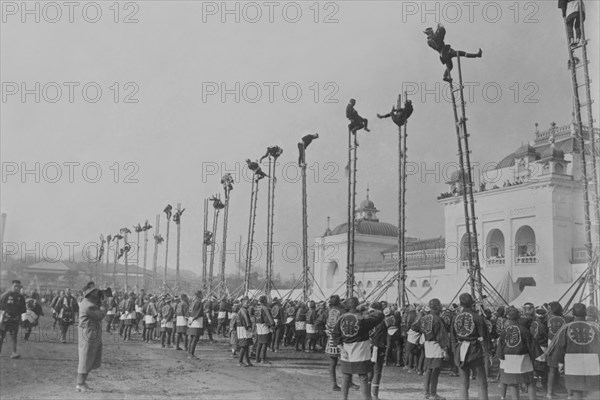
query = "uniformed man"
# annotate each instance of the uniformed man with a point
(468, 337)
(351, 335)
(12, 305)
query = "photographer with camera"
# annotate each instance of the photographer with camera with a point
(91, 314)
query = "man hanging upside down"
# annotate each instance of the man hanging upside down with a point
(253, 166)
(435, 40)
(356, 121)
(303, 145)
(398, 114)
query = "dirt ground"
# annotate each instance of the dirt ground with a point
(135, 370)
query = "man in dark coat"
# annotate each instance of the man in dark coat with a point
(356, 121)
(577, 345)
(468, 336)
(435, 40)
(399, 114)
(89, 332)
(12, 305)
(351, 335)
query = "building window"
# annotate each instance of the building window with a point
(369, 285)
(413, 283)
(464, 251)
(330, 274)
(426, 283)
(525, 245)
(494, 247)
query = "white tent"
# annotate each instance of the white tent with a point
(508, 289)
(543, 294)
(446, 289)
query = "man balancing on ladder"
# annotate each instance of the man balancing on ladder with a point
(356, 121)
(303, 145)
(398, 114)
(435, 40)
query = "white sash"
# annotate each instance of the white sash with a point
(262, 329)
(242, 333)
(301, 326)
(517, 364)
(433, 350)
(464, 347)
(149, 319)
(310, 328)
(222, 315)
(356, 352)
(138, 308)
(583, 364)
(542, 358)
(181, 321)
(196, 323)
(392, 330)
(374, 354)
(169, 325)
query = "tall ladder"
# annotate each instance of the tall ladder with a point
(402, 295)
(213, 246)
(305, 278)
(251, 225)
(222, 282)
(205, 247)
(270, 225)
(464, 160)
(352, 146)
(586, 107)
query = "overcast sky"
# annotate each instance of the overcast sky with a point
(176, 141)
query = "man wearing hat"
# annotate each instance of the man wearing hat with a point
(329, 319)
(12, 305)
(555, 322)
(66, 308)
(130, 316)
(393, 322)
(436, 343)
(577, 345)
(516, 350)
(264, 320)
(150, 318)
(89, 332)
(351, 335)
(166, 314)
(435, 40)
(378, 336)
(195, 323)
(222, 322)
(468, 337)
(278, 318)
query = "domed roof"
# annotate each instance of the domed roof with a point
(522, 151)
(372, 228)
(455, 177)
(367, 203)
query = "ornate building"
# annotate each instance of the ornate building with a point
(530, 227)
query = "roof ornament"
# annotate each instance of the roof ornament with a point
(552, 137)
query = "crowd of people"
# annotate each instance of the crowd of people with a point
(517, 348)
